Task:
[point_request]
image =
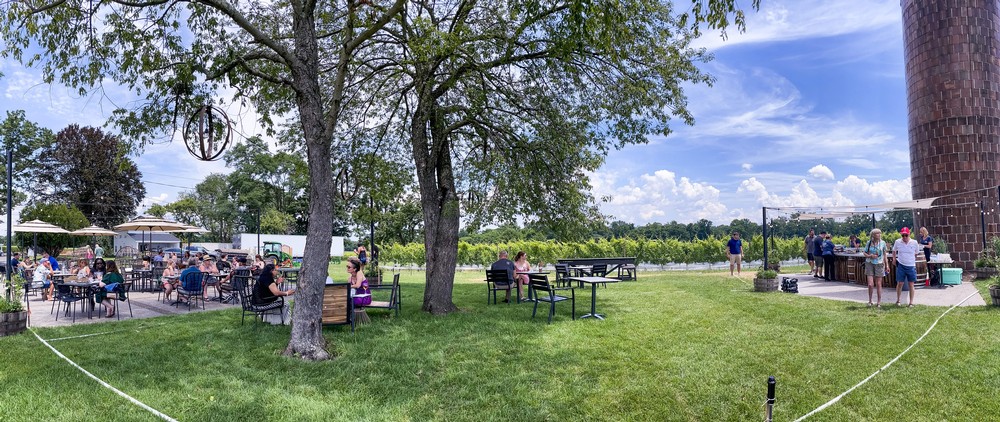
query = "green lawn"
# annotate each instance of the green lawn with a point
(675, 346)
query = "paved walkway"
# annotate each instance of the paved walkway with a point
(144, 305)
(930, 296)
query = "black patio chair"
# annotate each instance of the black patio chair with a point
(540, 284)
(394, 293)
(67, 297)
(124, 289)
(243, 285)
(562, 271)
(498, 280)
(192, 287)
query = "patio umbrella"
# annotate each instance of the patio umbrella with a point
(150, 224)
(35, 227)
(93, 231)
(190, 230)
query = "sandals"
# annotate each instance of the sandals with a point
(870, 304)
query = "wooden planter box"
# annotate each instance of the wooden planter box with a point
(984, 273)
(13, 323)
(765, 284)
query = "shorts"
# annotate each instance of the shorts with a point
(819, 260)
(810, 256)
(874, 270)
(906, 273)
(735, 258)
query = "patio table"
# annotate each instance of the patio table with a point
(593, 282)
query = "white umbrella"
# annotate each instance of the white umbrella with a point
(93, 231)
(37, 226)
(151, 224)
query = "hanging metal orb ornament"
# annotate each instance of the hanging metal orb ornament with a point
(207, 133)
(347, 188)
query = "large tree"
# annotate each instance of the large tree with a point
(286, 58)
(24, 139)
(90, 169)
(507, 105)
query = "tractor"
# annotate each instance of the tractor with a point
(277, 251)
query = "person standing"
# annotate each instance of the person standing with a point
(810, 248)
(828, 259)
(904, 253)
(854, 242)
(734, 252)
(818, 253)
(927, 244)
(876, 266)
(98, 251)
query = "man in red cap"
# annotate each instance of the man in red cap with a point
(904, 252)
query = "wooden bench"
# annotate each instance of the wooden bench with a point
(338, 308)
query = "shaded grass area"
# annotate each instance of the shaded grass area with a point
(675, 346)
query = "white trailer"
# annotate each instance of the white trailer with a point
(248, 241)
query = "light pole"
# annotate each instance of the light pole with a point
(10, 198)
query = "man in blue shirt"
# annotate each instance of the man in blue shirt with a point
(192, 283)
(52, 261)
(735, 253)
(828, 258)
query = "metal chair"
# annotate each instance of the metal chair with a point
(192, 287)
(244, 284)
(540, 283)
(498, 280)
(66, 296)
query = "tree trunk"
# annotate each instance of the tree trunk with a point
(307, 330)
(432, 156)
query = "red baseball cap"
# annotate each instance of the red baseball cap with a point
(904, 230)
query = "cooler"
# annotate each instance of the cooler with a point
(951, 276)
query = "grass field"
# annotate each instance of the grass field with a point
(675, 346)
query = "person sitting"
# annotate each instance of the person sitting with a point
(854, 242)
(169, 277)
(191, 283)
(81, 270)
(99, 268)
(503, 263)
(208, 266)
(158, 257)
(111, 282)
(521, 265)
(42, 279)
(360, 291)
(146, 263)
(266, 290)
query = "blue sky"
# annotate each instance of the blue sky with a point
(808, 109)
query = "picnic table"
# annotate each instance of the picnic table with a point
(593, 282)
(615, 264)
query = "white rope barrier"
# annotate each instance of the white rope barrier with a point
(135, 401)
(886, 366)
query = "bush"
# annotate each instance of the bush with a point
(767, 274)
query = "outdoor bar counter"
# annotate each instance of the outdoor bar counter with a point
(849, 267)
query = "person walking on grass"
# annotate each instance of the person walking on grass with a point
(876, 266)
(810, 248)
(904, 253)
(734, 251)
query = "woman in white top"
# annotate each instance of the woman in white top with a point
(876, 266)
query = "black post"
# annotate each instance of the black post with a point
(873, 220)
(10, 197)
(258, 232)
(982, 220)
(371, 243)
(764, 233)
(768, 416)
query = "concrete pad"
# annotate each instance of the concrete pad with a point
(930, 296)
(144, 305)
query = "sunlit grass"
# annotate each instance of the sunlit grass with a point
(675, 346)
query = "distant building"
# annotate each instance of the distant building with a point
(154, 241)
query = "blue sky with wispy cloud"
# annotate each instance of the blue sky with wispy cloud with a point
(808, 108)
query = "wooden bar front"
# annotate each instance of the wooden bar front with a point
(850, 268)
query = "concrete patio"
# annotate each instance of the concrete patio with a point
(144, 305)
(930, 296)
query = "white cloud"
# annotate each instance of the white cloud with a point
(746, 166)
(853, 190)
(796, 20)
(659, 196)
(821, 172)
